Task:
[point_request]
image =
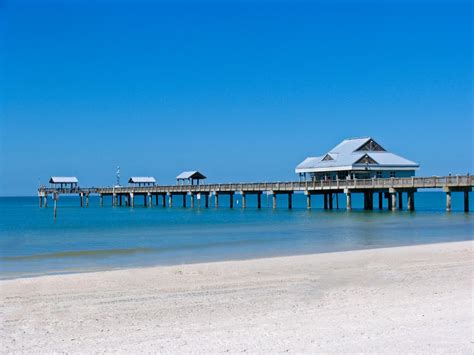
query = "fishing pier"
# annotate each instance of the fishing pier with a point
(390, 190)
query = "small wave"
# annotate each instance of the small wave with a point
(78, 254)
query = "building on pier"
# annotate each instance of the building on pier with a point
(64, 182)
(189, 178)
(356, 158)
(142, 181)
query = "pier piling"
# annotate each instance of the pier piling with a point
(448, 201)
(466, 200)
(394, 200)
(348, 201)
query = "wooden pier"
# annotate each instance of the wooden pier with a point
(391, 190)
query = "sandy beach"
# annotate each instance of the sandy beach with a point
(404, 299)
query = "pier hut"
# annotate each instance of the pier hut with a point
(356, 158)
(64, 182)
(189, 178)
(141, 181)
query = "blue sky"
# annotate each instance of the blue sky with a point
(241, 90)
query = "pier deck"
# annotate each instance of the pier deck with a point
(389, 188)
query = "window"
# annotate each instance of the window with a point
(366, 159)
(378, 174)
(392, 174)
(371, 146)
(327, 157)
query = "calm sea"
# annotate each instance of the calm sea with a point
(103, 238)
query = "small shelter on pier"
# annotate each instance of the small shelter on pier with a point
(142, 181)
(356, 158)
(64, 182)
(189, 177)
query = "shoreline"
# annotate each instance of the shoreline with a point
(92, 270)
(406, 299)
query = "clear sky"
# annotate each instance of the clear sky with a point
(241, 90)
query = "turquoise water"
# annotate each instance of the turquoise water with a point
(101, 238)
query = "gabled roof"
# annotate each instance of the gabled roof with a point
(355, 153)
(190, 175)
(63, 180)
(141, 179)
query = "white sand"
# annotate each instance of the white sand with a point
(408, 299)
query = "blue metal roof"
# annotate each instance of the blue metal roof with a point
(346, 154)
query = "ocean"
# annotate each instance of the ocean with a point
(33, 243)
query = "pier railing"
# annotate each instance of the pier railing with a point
(465, 181)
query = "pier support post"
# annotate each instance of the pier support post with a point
(156, 200)
(330, 199)
(216, 200)
(231, 200)
(184, 200)
(400, 201)
(370, 195)
(308, 200)
(393, 196)
(132, 199)
(466, 200)
(82, 199)
(206, 200)
(348, 201)
(325, 201)
(411, 201)
(87, 200)
(274, 200)
(101, 200)
(40, 197)
(380, 201)
(150, 200)
(290, 200)
(170, 200)
(163, 200)
(448, 201)
(192, 200)
(259, 200)
(244, 200)
(120, 199)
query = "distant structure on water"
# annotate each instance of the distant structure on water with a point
(189, 177)
(356, 158)
(64, 182)
(140, 181)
